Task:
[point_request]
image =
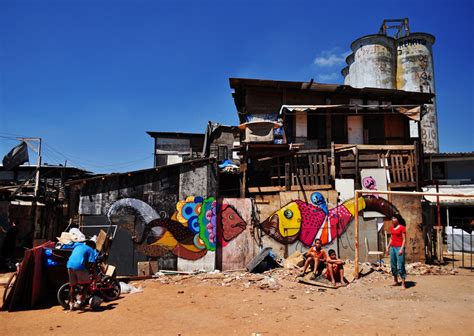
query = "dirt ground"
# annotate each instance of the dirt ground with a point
(273, 303)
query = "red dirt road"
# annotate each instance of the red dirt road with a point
(434, 305)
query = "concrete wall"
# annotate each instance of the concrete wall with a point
(159, 189)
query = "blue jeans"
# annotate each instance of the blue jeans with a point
(397, 262)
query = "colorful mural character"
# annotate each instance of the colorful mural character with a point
(189, 233)
(305, 222)
(370, 183)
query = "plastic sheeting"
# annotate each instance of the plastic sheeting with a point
(458, 239)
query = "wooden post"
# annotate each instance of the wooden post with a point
(356, 234)
(356, 157)
(333, 162)
(418, 166)
(243, 183)
(288, 176)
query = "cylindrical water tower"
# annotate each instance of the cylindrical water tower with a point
(345, 74)
(400, 62)
(415, 72)
(374, 62)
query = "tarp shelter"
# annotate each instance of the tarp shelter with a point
(35, 280)
(410, 111)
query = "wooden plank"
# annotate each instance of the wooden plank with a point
(312, 163)
(287, 175)
(307, 281)
(357, 176)
(311, 187)
(347, 158)
(402, 184)
(320, 170)
(398, 166)
(279, 172)
(412, 162)
(368, 157)
(379, 147)
(307, 177)
(243, 182)
(314, 151)
(326, 169)
(406, 170)
(348, 171)
(333, 162)
(255, 190)
(363, 164)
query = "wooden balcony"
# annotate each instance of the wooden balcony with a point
(401, 161)
(318, 169)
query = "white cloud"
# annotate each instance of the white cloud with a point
(332, 57)
(328, 77)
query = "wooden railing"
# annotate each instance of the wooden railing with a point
(402, 162)
(318, 169)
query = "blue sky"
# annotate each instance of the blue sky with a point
(91, 77)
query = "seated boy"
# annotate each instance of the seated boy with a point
(317, 256)
(335, 269)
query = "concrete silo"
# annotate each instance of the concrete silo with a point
(415, 72)
(374, 62)
(403, 62)
(345, 74)
(351, 70)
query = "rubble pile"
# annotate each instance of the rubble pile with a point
(286, 278)
(420, 269)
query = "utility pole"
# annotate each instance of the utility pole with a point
(37, 180)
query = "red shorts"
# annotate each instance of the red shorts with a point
(336, 270)
(78, 277)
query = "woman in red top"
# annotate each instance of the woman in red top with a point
(396, 247)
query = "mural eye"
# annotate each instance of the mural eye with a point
(231, 216)
(288, 213)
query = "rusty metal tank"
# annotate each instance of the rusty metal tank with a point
(374, 62)
(415, 72)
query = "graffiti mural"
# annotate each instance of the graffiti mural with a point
(199, 225)
(189, 233)
(305, 222)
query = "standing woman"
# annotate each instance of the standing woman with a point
(396, 247)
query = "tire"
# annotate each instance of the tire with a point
(63, 295)
(9, 286)
(110, 288)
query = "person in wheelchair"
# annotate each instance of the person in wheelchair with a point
(78, 266)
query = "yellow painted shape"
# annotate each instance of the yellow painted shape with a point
(167, 241)
(289, 226)
(191, 247)
(350, 205)
(179, 209)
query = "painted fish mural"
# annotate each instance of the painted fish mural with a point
(305, 222)
(189, 233)
(192, 229)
